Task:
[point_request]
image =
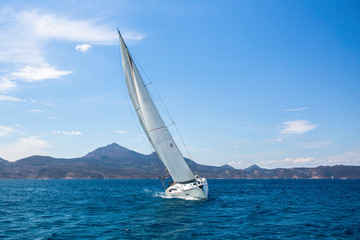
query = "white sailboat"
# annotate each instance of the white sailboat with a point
(186, 185)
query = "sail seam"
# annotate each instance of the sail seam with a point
(156, 129)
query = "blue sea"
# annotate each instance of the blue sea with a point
(138, 209)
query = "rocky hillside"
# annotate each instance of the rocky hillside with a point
(116, 162)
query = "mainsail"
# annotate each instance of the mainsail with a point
(151, 121)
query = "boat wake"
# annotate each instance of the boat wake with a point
(165, 196)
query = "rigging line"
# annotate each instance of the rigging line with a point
(170, 124)
(182, 140)
(162, 104)
(127, 100)
(159, 103)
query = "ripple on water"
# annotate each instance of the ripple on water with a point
(139, 209)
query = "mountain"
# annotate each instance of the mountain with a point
(3, 162)
(116, 162)
(253, 167)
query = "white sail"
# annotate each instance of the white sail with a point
(152, 123)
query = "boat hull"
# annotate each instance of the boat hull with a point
(191, 191)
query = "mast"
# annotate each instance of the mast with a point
(151, 121)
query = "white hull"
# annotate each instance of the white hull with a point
(193, 191)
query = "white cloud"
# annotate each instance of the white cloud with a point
(6, 84)
(25, 34)
(9, 99)
(133, 36)
(310, 145)
(122, 132)
(66, 132)
(298, 160)
(42, 102)
(296, 109)
(238, 164)
(35, 110)
(72, 133)
(50, 26)
(83, 47)
(258, 155)
(347, 158)
(297, 127)
(235, 144)
(276, 140)
(36, 74)
(18, 41)
(291, 162)
(5, 131)
(24, 147)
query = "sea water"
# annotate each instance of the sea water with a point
(138, 209)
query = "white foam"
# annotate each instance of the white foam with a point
(166, 196)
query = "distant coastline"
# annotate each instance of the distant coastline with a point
(117, 162)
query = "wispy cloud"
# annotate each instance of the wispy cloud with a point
(74, 133)
(258, 155)
(296, 109)
(9, 99)
(5, 131)
(42, 102)
(238, 164)
(50, 26)
(298, 160)
(19, 43)
(347, 158)
(35, 110)
(320, 144)
(36, 74)
(240, 142)
(297, 127)
(133, 36)
(83, 47)
(235, 144)
(24, 147)
(276, 140)
(122, 132)
(25, 34)
(290, 161)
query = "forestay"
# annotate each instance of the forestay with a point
(152, 122)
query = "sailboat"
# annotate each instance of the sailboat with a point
(185, 184)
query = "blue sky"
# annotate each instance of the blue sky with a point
(275, 83)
